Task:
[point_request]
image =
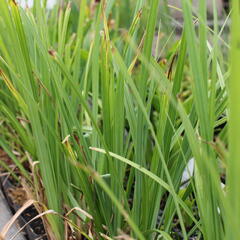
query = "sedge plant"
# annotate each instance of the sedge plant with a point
(112, 122)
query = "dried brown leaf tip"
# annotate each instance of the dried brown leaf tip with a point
(140, 12)
(69, 5)
(52, 52)
(14, 2)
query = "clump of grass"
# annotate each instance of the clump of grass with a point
(112, 128)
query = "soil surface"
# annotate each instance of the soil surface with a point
(15, 197)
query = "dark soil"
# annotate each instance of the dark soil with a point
(16, 196)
